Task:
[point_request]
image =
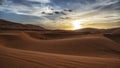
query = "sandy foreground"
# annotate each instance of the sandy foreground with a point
(20, 49)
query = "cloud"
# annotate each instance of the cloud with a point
(36, 9)
(96, 10)
(10, 7)
(99, 6)
(33, 9)
(1, 1)
(41, 1)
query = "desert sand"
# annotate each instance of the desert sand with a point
(59, 49)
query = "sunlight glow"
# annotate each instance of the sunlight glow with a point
(77, 24)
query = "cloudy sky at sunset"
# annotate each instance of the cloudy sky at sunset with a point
(63, 14)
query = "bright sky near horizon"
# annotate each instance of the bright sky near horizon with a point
(63, 14)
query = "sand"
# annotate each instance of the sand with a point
(34, 49)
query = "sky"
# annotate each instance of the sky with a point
(63, 14)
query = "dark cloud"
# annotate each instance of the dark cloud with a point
(1, 2)
(21, 2)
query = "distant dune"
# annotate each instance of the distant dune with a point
(7, 25)
(59, 49)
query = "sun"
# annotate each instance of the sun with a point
(77, 24)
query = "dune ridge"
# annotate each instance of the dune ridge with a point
(75, 46)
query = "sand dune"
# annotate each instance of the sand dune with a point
(7, 25)
(31, 46)
(89, 45)
(115, 35)
(14, 58)
(22, 49)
